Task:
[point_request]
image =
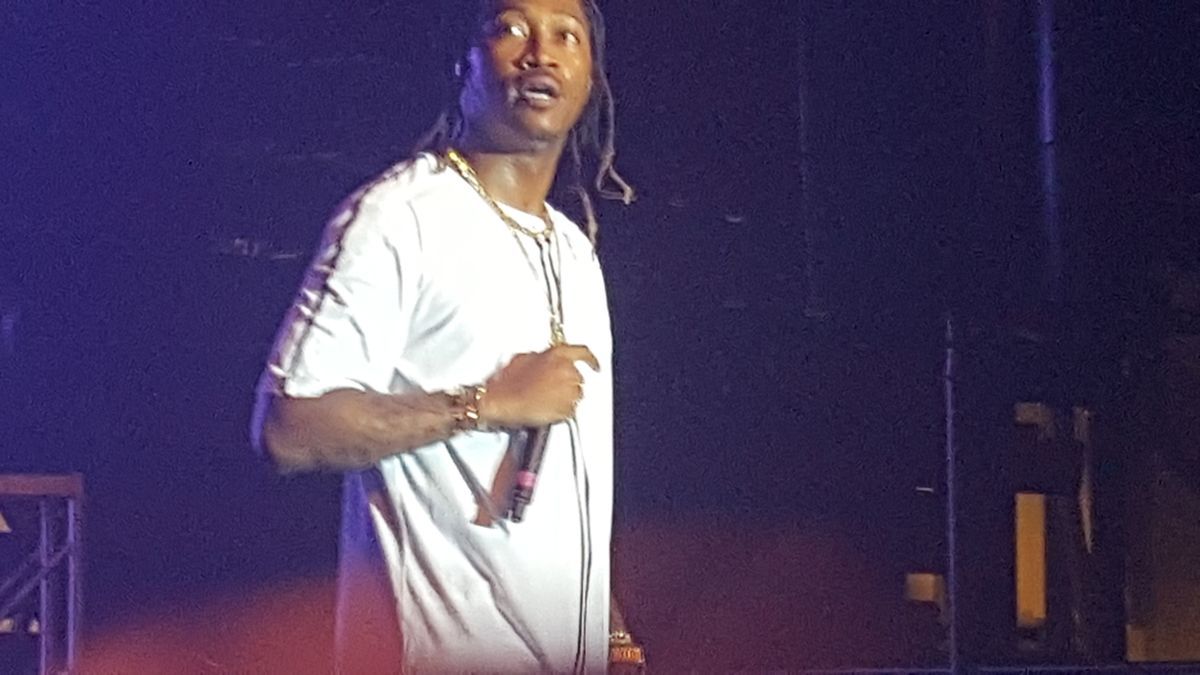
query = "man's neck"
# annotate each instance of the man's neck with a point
(519, 180)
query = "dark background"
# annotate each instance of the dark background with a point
(167, 170)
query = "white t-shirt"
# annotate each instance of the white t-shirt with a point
(420, 286)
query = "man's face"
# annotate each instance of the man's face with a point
(529, 75)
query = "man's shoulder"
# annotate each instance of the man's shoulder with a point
(391, 205)
(410, 181)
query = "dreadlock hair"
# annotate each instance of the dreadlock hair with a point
(591, 144)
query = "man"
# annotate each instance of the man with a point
(449, 316)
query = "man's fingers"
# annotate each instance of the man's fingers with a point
(580, 353)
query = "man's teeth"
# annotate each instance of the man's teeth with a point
(538, 95)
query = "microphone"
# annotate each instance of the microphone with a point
(531, 464)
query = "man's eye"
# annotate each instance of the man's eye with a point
(571, 37)
(513, 29)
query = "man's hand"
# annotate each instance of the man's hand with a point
(536, 390)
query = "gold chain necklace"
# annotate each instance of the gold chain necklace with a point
(465, 170)
(542, 239)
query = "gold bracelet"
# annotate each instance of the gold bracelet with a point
(622, 650)
(466, 403)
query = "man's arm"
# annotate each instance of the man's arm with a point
(349, 429)
(625, 654)
(616, 619)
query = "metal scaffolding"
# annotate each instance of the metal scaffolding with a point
(53, 568)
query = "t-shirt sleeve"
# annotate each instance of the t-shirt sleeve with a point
(349, 323)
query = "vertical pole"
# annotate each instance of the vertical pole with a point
(45, 601)
(74, 579)
(952, 598)
(1047, 136)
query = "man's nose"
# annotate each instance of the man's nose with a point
(537, 54)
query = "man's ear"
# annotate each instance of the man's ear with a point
(462, 67)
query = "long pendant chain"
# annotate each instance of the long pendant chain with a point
(545, 241)
(552, 275)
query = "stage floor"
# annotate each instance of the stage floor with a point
(705, 594)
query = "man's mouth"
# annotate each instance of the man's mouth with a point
(537, 95)
(538, 90)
